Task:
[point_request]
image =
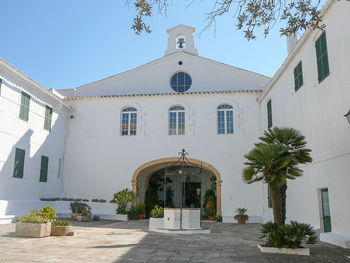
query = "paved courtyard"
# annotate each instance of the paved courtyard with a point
(108, 241)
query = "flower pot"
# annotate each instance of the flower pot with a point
(81, 218)
(211, 218)
(74, 216)
(60, 230)
(89, 216)
(33, 229)
(141, 216)
(241, 220)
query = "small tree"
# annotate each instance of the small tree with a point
(274, 160)
(122, 199)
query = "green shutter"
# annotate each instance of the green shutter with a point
(19, 163)
(24, 110)
(269, 114)
(322, 57)
(298, 76)
(48, 118)
(44, 168)
(269, 200)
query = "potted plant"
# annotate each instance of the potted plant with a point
(210, 211)
(288, 238)
(133, 213)
(74, 208)
(142, 210)
(33, 224)
(49, 213)
(60, 228)
(157, 218)
(241, 215)
(83, 216)
(122, 199)
(209, 199)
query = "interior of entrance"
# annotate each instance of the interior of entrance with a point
(171, 186)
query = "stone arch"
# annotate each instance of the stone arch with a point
(155, 165)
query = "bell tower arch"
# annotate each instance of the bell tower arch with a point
(181, 39)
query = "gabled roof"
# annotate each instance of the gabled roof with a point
(123, 86)
(181, 26)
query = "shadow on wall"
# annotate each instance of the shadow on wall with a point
(20, 195)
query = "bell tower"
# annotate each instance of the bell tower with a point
(181, 39)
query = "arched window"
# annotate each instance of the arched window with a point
(129, 121)
(177, 120)
(225, 119)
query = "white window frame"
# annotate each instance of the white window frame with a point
(177, 112)
(128, 113)
(225, 119)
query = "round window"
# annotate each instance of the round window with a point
(180, 82)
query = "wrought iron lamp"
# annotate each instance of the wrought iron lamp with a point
(348, 116)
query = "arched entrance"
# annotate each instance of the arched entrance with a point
(141, 173)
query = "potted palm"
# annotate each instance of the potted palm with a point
(241, 215)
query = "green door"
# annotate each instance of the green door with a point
(325, 211)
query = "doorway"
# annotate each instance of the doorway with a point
(326, 215)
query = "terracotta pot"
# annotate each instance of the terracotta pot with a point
(241, 220)
(141, 216)
(211, 218)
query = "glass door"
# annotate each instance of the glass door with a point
(326, 215)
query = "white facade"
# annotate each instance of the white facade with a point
(16, 193)
(317, 110)
(97, 160)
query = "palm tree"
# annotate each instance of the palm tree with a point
(274, 160)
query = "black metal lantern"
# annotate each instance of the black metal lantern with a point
(348, 116)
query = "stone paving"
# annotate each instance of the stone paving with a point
(108, 241)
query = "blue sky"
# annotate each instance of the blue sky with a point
(65, 44)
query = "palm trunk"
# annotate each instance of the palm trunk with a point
(278, 197)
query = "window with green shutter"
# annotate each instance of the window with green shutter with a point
(269, 200)
(24, 110)
(298, 76)
(269, 114)
(322, 57)
(19, 163)
(48, 117)
(44, 168)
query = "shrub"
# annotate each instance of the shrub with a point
(142, 209)
(157, 212)
(33, 216)
(48, 212)
(241, 213)
(77, 207)
(288, 236)
(218, 218)
(122, 199)
(211, 211)
(61, 223)
(133, 213)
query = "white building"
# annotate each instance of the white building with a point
(124, 130)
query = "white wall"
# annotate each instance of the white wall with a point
(100, 162)
(30, 136)
(317, 110)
